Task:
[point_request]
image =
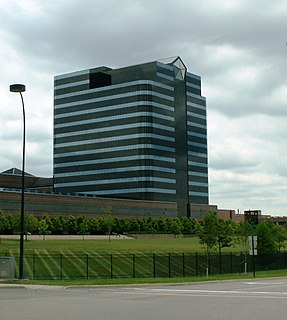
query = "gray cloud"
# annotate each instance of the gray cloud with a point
(238, 47)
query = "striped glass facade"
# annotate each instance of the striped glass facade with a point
(137, 132)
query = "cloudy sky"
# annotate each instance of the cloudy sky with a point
(238, 47)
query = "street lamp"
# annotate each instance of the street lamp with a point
(21, 88)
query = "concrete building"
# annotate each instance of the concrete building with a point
(135, 133)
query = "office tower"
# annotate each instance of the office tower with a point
(137, 132)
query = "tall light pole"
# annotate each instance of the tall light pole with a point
(21, 88)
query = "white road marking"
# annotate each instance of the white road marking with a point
(200, 292)
(266, 283)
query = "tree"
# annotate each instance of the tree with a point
(43, 228)
(243, 230)
(83, 225)
(189, 225)
(94, 226)
(265, 237)
(148, 225)
(161, 224)
(6, 223)
(109, 220)
(31, 224)
(207, 232)
(175, 226)
(225, 234)
(280, 236)
(134, 225)
(72, 225)
(59, 225)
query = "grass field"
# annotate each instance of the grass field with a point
(155, 245)
(91, 261)
(118, 258)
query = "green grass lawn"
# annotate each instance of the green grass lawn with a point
(155, 245)
(101, 258)
(93, 260)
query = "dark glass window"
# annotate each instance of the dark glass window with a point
(100, 79)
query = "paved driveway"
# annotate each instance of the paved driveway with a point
(258, 299)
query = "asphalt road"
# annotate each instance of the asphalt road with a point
(258, 299)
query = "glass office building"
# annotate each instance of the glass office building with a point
(137, 132)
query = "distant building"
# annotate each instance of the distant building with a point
(252, 216)
(137, 132)
(12, 179)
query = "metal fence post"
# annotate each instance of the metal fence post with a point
(134, 266)
(87, 266)
(61, 266)
(33, 275)
(154, 265)
(111, 265)
(169, 266)
(183, 264)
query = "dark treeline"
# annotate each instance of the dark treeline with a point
(107, 224)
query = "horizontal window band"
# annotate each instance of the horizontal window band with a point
(192, 85)
(113, 128)
(114, 170)
(143, 101)
(194, 161)
(197, 125)
(113, 118)
(83, 91)
(116, 138)
(114, 97)
(195, 134)
(198, 194)
(192, 76)
(198, 169)
(108, 155)
(164, 66)
(199, 180)
(113, 160)
(113, 181)
(164, 76)
(198, 97)
(120, 176)
(198, 184)
(197, 174)
(195, 139)
(118, 86)
(197, 103)
(194, 105)
(114, 144)
(113, 108)
(72, 84)
(197, 130)
(120, 127)
(114, 149)
(133, 190)
(196, 115)
(197, 164)
(193, 110)
(196, 144)
(72, 74)
(197, 154)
